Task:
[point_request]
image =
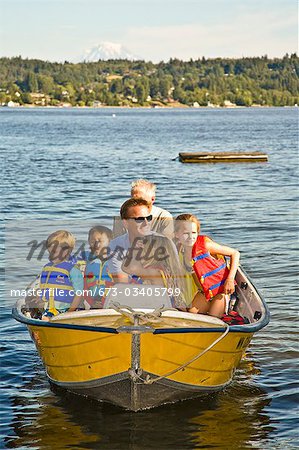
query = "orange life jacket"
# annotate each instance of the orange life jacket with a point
(211, 272)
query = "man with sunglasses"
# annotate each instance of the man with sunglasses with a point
(136, 217)
(162, 221)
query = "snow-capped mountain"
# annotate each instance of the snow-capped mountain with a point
(105, 51)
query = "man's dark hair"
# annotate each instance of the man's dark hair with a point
(130, 203)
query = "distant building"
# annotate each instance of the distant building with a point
(40, 99)
(12, 104)
(228, 104)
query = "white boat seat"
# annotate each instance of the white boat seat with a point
(138, 296)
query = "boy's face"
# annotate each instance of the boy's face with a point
(97, 242)
(59, 252)
(187, 234)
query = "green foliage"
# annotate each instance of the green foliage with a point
(3, 98)
(165, 85)
(26, 98)
(140, 93)
(243, 81)
(32, 82)
(46, 84)
(116, 86)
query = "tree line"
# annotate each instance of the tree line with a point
(202, 82)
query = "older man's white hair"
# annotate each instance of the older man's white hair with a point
(141, 185)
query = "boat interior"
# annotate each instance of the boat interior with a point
(122, 310)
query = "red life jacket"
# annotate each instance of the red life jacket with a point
(234, 318)
(211, 272)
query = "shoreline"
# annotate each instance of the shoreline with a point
(28, 106)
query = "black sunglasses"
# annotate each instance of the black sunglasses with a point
(142, 219)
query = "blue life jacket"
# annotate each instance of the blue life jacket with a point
(55, 282)
(96, 277)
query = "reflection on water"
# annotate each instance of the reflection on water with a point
(233, 419)
(245, 422)
(51, 427)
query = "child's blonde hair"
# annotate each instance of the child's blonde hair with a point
(61, 237)
(186, 218)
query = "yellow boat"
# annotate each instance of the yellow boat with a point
(141, 357)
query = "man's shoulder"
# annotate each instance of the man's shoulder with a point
(160, 212)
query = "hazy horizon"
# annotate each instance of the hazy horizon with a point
(62, 30)
(147, 60)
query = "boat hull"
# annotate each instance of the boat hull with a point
(128, 369)
(142, 360)
(121, 390)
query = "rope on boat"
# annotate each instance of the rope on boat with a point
(154, 316)
(142, 317)
(150, 380)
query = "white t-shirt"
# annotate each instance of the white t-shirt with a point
(118, 250)
(162, 222)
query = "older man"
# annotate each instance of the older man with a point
(162, 221)
(136, 217)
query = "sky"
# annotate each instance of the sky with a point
(156, 30)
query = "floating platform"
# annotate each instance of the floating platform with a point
(222, 157)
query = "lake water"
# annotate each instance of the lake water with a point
(76, 165)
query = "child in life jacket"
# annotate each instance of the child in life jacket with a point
(96, 275)
(186, 230)
(212, 273)
(60, 279)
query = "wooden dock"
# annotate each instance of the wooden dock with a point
(222, 157)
